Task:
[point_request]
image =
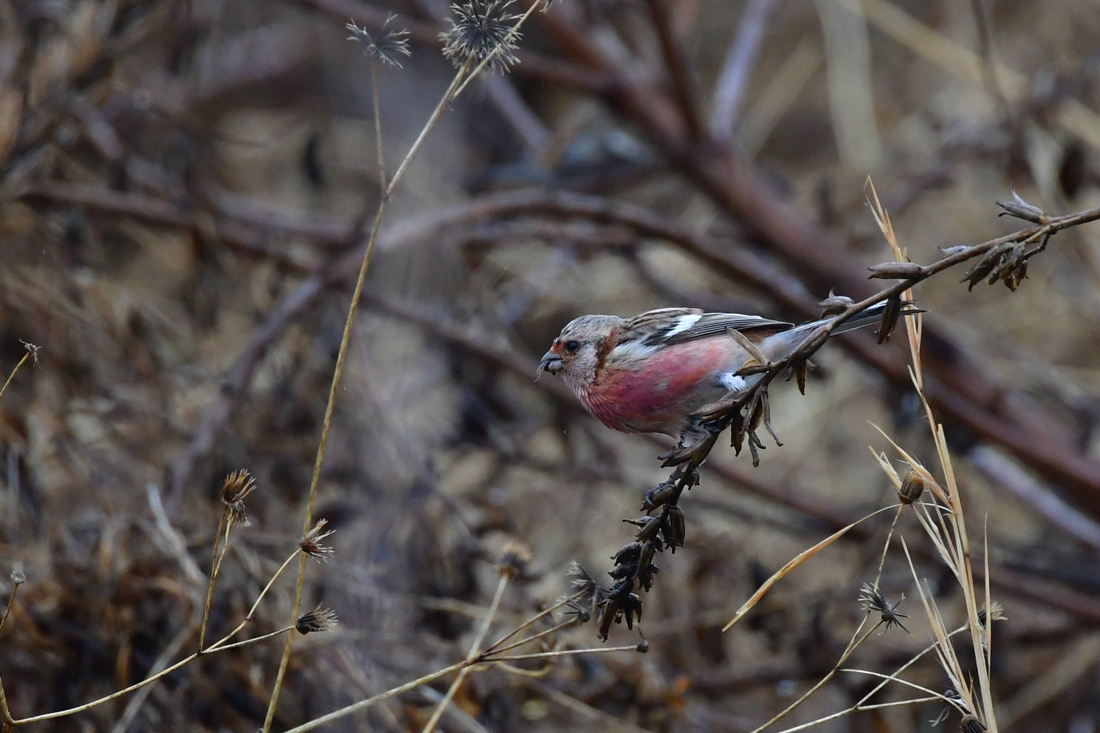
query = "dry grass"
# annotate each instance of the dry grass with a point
(189, 194)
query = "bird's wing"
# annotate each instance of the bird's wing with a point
(669, 326)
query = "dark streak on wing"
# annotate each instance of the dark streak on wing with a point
(711, 324)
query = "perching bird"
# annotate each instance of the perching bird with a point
(653, 373)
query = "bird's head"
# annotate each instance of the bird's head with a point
(580, 349)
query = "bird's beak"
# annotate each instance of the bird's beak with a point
(551, 362)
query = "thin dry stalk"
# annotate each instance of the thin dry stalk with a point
(458, 83)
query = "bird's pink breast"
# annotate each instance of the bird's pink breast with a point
(662, 390)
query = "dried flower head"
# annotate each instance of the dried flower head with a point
(17, 577)
(995, 611)
(237, 486)
(386, 47)
(319, 619)
(32, 349)
(584, 586)
(514, 560)
(311, 542)
(238, 515)
(482, 29)
(912, 486)
(873, 600)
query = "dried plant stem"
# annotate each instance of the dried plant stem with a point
(458, 83)
(502, 583)
(886, 546)
(852, 646)
(529, 639)
(861, 704)
(363, 704)
(214, 566)
(138, 685)
(252, 611)
(565, 653)
(8, 607)
(437, 113)
(11, 376)
(337, 373)
(7, 610)
(377, 123)
(527, 624)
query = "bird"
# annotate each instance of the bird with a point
(654, 372)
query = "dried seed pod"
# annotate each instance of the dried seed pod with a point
(514, 560)
(646, 568)
(649, 529)
(608, 611)
(317, 620)
(1022, 210)
(673, 527)
(659, 495)
(798, 369)
(834, 305)
(912, 486)
(630, 609)
(985, 265)
(628, 553)
(895, 270)
(890, 315)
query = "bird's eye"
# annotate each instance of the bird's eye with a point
(572, 346)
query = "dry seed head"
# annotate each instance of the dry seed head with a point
(995, 611)
(386, 47)
(17, 577)
(873, 600)
(32, 349)
(319, 619)
(311, 542)
(237, 486)
(514, 560)
(912, 486)
(238, 516)
(482, 29)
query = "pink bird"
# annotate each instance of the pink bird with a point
(652, 373)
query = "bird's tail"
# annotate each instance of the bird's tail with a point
(783, 343)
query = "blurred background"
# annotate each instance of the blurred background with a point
(183, 189)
